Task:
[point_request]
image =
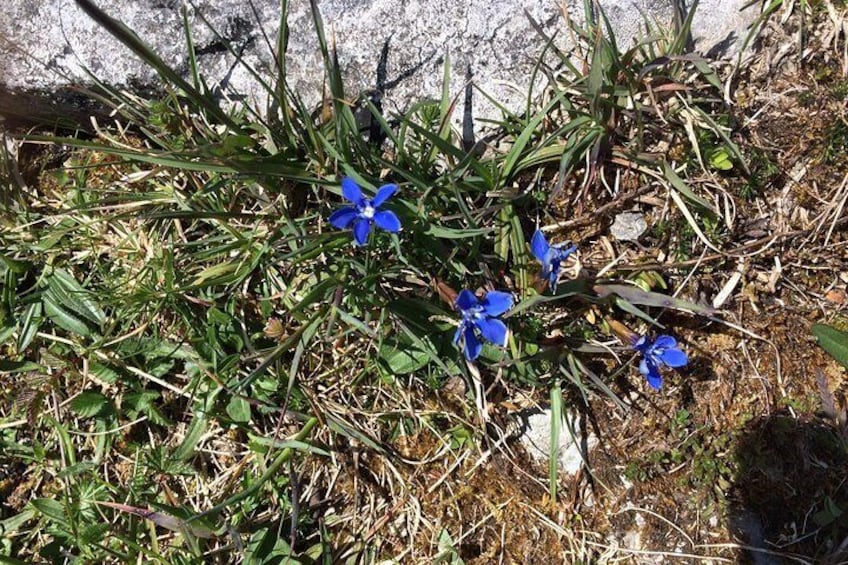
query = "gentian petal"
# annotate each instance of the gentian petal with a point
(383, 194)
(473, 346)
(563, 254)
(387, 220)
(674, 357)
(553, 277)
(496, 302)
(466, 300)
(361, 229)
(539, 246)
(493, 330)
(343, 217)
(665, 342)
(651, 372)
(655, 379)
(458, 333)
(351, 191)
(642, 343)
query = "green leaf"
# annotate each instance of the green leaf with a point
(680, 186)
(556, 430)
(720, 159)
(564, 290)
(238, 409)
(216, 274)
(77, 469)
(165, 520)
(50, 509)
(403, 359)
(104, 373)
(452, 233)
(64, 290)
(192, 437)
(14, 523)
(261, 444)
(65, 319)
(89, 404)
(19, 366)
(267, 546)
(11, 561)
(636, 295)
(29, 326)
(833, 341)
(15, 265)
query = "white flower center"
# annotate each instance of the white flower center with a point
(473, 314)
(367, 212)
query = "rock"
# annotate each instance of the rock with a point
(537, 440)
(47, 46)
(628, 226)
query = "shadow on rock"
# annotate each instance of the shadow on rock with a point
(789, 501)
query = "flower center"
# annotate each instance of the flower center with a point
(367, 212)
(473, 314)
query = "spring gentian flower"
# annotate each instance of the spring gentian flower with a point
(481, 316)
(365, 212)
(550, 256)
(655, 353)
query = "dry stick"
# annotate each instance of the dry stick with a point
(716, 256)
(587, 219)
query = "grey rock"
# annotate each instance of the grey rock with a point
(573, 447)
(628, 226)
(51, 46)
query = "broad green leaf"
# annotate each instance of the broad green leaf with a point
(238, 409)
(89, 404)
(64, 290)
(164, 520)
(104, 373)
(19, 366)
(50, 509)
(833, 341)
(267, 546)
(65, 319)
(720, 159)
(636, 295)
(403, 359)
(77, 469)
(12, 524)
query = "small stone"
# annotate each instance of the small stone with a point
(628, 226)
(537, 440)
(836, 296)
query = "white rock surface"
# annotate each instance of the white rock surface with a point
(537, 440)
(47, 45)
(628, 226)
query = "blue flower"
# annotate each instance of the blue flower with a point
(481, 316)
(550, 256)
(655, 353)
(365, 212)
